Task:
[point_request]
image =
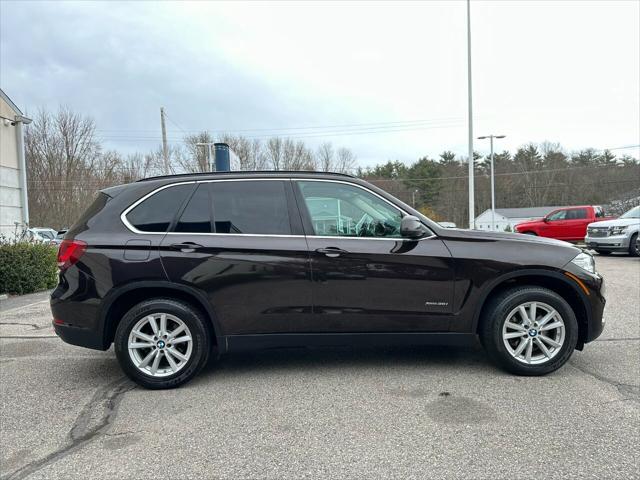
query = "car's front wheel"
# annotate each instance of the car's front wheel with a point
(162, 343)
(529, 330)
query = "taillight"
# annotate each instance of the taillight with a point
(70, 252)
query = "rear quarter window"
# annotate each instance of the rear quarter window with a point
(156, 213)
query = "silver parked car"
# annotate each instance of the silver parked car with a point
(59, 237)
(618, 235)
(38, 235)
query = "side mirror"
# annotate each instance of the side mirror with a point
(411, 227)
(545, 219)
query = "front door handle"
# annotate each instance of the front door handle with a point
(331, 252)
(186, 247)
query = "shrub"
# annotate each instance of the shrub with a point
(27, 267)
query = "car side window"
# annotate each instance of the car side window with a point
(196, 217)
(250, 207)
(156, 213)
(338, 209)
(559, 215)
(577, 214)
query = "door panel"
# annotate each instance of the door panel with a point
(556, 225)
(380, 285)
(254, 284)
(366, 277)
(577, 223)
(238, 242)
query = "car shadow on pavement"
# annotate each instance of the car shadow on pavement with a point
(287, 360)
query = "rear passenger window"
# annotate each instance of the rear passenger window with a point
(577, 214)
(258, 207)
(196, 217)
(156, 213)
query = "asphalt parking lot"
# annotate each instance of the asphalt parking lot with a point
(67, 412)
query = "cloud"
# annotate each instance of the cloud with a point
(566, 72)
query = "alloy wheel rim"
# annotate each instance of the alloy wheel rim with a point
(160, 344)
(533, 333)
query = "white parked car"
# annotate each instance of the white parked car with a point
(618, 235)
(39, 235)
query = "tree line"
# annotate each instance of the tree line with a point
(535, 175)
(67, 164)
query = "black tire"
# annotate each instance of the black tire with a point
(603, 252)
(633, 246)
(199, 333)
(496, 314)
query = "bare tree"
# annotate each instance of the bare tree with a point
(345, 161)
(274, 153)
(62, 156)
(325, 157)
(196, 158)
(249, 152)
(296, 156)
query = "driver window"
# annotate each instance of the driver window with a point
(559, 215)
(338, 209)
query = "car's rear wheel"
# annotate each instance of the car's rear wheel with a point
(634, 248)
(162, 343)
(529, 330)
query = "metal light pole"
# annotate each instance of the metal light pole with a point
(413, 197)
(493, 191)
(471, 162)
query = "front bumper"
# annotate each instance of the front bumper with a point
(591, 289)
(617, 242)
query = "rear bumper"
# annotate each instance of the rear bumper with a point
(82, 337)
(76, 313)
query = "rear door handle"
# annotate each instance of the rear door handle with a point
(331, 252)
(186, 247)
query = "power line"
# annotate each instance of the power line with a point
(309, 135)
(344, 125)
(398, 179)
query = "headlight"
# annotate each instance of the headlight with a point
(617, 230)
(585, 261)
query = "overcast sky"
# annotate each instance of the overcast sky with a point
(388, 80)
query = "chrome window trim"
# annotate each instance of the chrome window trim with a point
(125, 221)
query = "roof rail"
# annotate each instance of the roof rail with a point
(244, 172)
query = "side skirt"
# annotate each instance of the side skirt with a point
(237, 343)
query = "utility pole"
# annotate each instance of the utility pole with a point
(493, 190)
(472, 207)
(413, 197)
(165, 148)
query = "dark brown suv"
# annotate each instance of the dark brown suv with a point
(171, 269)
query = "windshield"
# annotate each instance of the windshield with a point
(633, 213)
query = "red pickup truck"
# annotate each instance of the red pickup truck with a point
(569, 223)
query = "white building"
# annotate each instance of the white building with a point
(507, 218)
(14, 208)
